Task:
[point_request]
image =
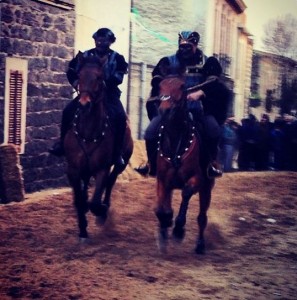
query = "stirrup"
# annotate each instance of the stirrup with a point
(213, 172)
(119, 161)
(143, 170)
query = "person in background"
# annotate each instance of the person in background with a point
(264, 144)
(248, 139)
(228, 144)
(278, 144)
(114, 70)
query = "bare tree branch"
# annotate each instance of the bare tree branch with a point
(280, 36)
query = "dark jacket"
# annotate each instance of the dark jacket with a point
(196, 71)
(175, 65)
(217, 100)
(114, 71)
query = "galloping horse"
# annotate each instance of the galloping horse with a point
(180, 165)
(89, 146)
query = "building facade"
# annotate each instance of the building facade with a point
(269, 74)
(222, 27)
(39, 38)
(37, 41)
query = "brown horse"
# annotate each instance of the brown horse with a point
(180, 165)
(89, 146)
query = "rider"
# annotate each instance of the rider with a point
(189, 62)
(114, 71)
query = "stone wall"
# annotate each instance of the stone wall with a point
(43, 34)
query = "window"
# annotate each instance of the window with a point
(15, 102)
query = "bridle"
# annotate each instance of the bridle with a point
(182, 147)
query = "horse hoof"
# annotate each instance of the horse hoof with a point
(83, 240)
(100, 220)
(162, 240)
(99, 210)
(200, 247)
(178, 234)
(83, 237)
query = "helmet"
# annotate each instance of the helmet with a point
(104, 32)
(188, 37)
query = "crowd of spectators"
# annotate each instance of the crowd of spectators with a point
(259, 145)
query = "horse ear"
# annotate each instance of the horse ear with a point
(183, 87)
(80, 57)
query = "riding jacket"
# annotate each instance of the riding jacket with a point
(114, 71)
(191, 70)
(213, 107)
(175, 65)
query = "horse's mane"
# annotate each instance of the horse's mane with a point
(90, 61)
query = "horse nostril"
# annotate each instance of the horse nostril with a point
(84, 99)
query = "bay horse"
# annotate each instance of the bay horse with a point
(89, 146)
(181, 164)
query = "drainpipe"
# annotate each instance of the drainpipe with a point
(141, 98)
(130, 63)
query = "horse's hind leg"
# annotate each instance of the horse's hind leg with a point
(180, 220)
(204, 199)
(109, 185)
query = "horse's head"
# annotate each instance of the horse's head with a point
(90, 79)
(172, 94)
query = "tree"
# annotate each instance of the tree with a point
(280, 36)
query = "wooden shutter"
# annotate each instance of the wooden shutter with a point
(15, 107)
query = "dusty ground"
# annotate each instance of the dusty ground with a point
(251, 244)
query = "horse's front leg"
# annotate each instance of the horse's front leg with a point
(80, 203)
(204, 199)
(181, 218)
(96, 206)
(164, 214)
(112, 178)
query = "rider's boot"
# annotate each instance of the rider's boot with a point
(119, 162)
(58, 148)
(213, 170)
(67, 118)
(151, 167)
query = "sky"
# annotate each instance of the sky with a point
(259, 12)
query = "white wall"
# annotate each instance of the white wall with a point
(113, 14)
